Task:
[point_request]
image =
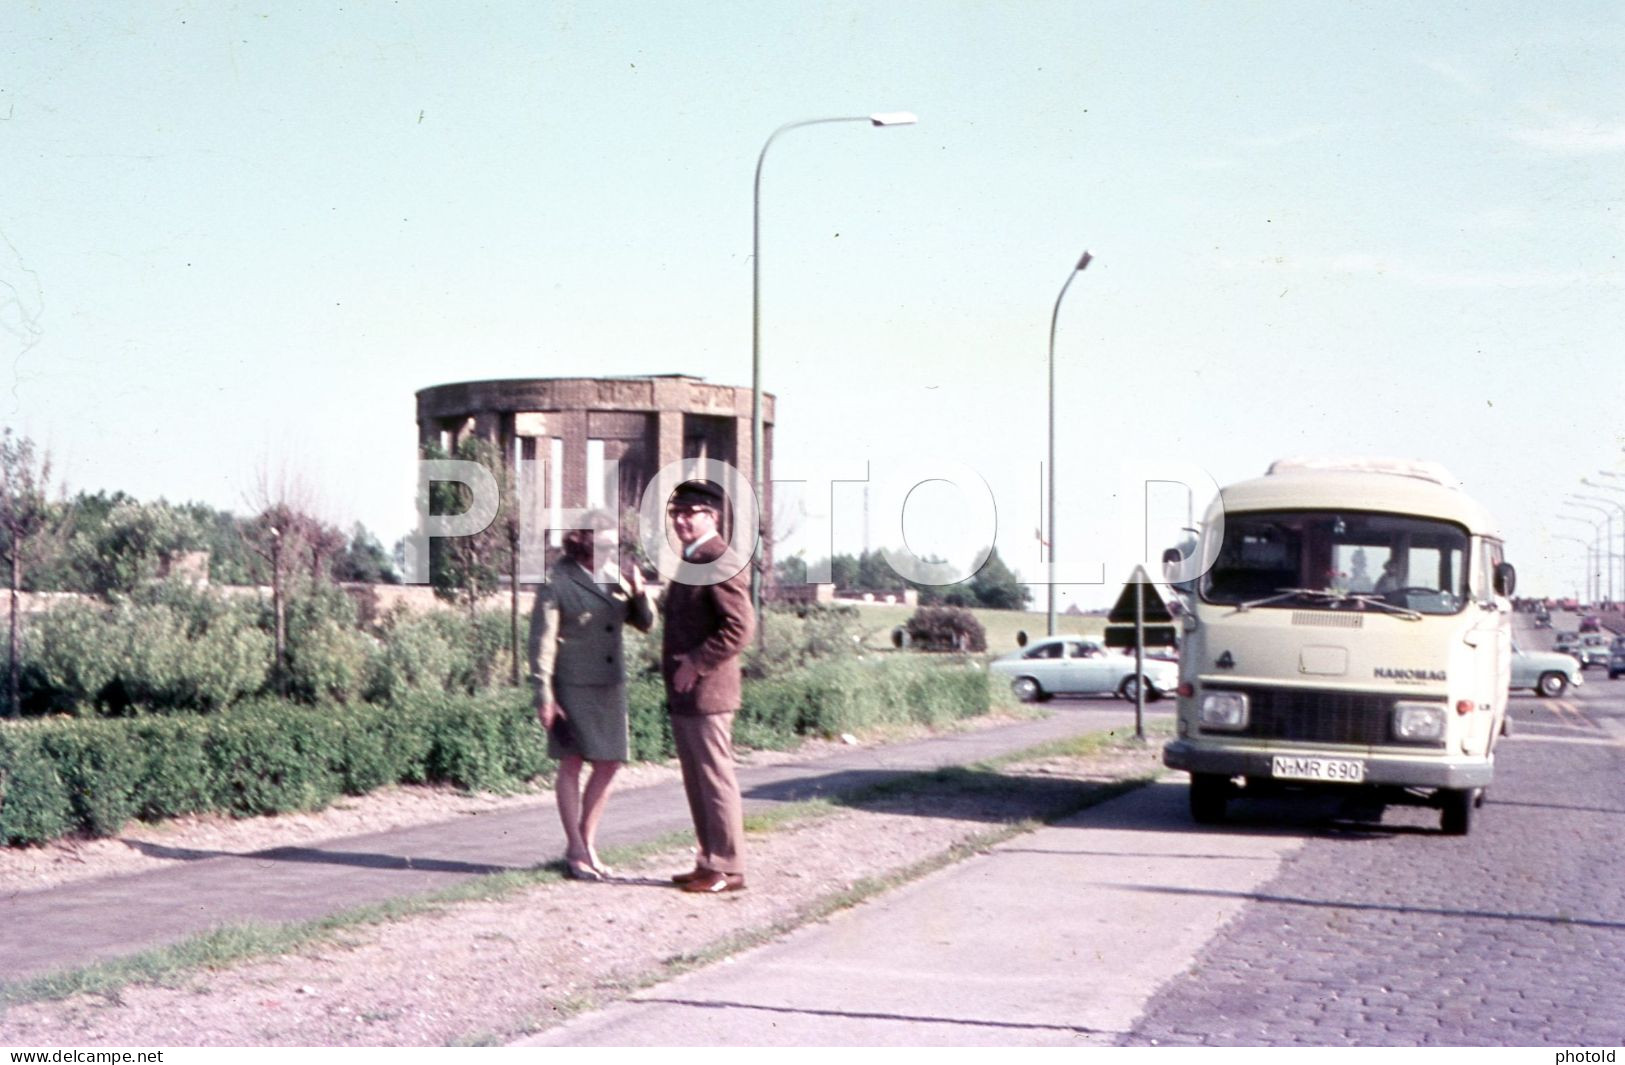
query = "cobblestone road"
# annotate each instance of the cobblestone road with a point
(1392, 934)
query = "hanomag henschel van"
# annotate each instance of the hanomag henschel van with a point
(1353, 632)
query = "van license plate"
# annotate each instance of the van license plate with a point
(1329, 770)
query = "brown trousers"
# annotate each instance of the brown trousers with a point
(706, 754)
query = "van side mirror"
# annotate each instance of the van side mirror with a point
(1506, 579)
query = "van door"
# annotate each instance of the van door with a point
(1491, 639)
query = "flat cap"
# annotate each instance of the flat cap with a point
(698, 494)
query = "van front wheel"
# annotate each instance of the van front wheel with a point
(1457, 816)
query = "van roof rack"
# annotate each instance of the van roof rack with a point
(1421, 470)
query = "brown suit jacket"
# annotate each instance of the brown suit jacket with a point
(711, 624)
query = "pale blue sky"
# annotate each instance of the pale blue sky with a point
(236, 231)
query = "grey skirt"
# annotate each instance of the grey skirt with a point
(597, 714)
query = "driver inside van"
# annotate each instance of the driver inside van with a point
(1390, 579)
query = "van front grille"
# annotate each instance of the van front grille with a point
(1352, 718)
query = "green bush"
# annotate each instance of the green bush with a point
(270, 757)
(170, 648)
(649, 725)
(489, 742)
(379, 746)
(851, 695)
(418, 652)
(100, 768)
(947, 628)
(439, 652)
(796, 636)
(329, 658)
(177, 776)
(34, 802)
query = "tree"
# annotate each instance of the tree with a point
(364, 560)
(323, 542)
(467, 568)
(276, 535)
(280, 535)
(997, 586)
(791, 571)
(27, 522)
(133, 545)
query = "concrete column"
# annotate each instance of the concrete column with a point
(669, 438)
(571, 426)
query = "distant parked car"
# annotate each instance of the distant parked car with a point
(1593, 649)
(1544, 672)
(1616, 658)
(1079, 665)
(1567, 643)
(1590, 623)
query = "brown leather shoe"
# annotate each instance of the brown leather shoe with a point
(715, 883)
(688, 877)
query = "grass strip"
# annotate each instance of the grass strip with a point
(238, 943)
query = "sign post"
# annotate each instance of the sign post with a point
(1136, 623)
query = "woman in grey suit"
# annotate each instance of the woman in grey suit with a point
(579, 670)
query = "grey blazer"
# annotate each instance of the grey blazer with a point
(575, 628)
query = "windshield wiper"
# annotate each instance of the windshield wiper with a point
(1376, 600)
(1332, 597)
(1280, 594)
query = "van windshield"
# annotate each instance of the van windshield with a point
(1343, 560)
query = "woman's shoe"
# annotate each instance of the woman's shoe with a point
(582, 871)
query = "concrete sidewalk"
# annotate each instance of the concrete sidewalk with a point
(97, 920)
(1056, 938)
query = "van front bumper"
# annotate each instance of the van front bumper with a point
(1380, 769)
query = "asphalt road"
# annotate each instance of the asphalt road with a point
(1289, 925)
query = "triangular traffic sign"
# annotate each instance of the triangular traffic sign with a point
(1156, 611)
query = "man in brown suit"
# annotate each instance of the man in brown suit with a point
(707, 626)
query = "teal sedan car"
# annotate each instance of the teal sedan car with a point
(1544, 672)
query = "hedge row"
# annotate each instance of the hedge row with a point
(825, 699)
(60, 775)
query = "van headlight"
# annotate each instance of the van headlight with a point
(1222, 711)
(1419, 722)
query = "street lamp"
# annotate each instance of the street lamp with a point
(1609, 488)
(757, 463)
(1083, 263)
(1617, 505)
(1585, 544)
(1593, 581)
(1607, 544)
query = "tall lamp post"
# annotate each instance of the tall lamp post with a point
(1594, 570)
(757, 459)
(1614, 503)
(1083, 263)
(1585, 544)
(1607, 543)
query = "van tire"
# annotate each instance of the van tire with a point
(1456, 816)
(1210, 793)
(1551, 685)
